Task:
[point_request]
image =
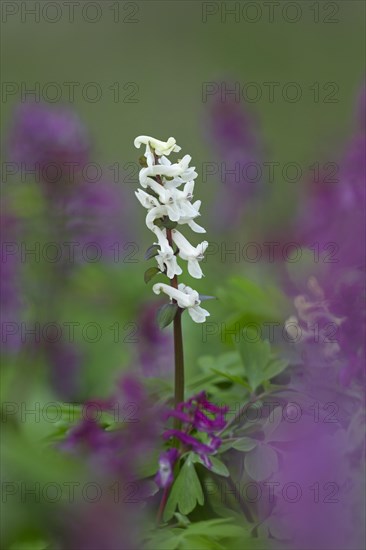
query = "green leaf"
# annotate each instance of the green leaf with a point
(186, 492)
(273, 421)
(166, 314)
(218, 467)
(275, 367)
(34, 544)
(183, 521)
(244, 444)
(150, 273)
(151, 251)
(232, 378)
(261, 462)
(247, 302)
(255, 356)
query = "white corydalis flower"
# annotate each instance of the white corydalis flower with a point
(160, 147)
(168, 198)
(167, 261)
(192, 254)
(186, 298)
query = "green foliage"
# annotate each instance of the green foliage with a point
(244, 444)
(185, 493)
(150, 273)
(166, 314)
(217, 466)
(259, 365)
(213, 534)
(151, 252)
(261, 462)
(247, 302)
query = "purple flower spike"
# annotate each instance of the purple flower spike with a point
(233, 134)
(48, 139)
(164, 477)
(198, 416)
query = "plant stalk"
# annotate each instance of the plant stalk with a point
(178, 350)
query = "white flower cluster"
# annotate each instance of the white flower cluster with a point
(168, 196)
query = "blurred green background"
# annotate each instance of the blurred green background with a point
(169, 53)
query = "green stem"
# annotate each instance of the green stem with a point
(242, 410)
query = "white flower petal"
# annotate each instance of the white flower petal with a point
(160, 147)
(195, 227)
(198, 314)
(194, 269)
(182, 299)
(154, 214)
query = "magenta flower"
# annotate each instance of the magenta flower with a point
(200, 420)
(165, 477)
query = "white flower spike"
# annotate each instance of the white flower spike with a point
(169, 203)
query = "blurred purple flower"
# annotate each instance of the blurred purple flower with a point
(92, 215)
(48, 139)
(334, 211)
(96, 217)
(135, 434)
(317, 490)
(64, 361)
(233, 134)
(334, 299)
(155, 347)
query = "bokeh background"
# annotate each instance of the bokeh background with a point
(159, 68)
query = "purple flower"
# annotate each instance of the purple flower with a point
(164, 478)
(332, 217)
(200, 419)
(134, 436)
(92, 215)
(334, 207)
(49, 140)
(203, 415)
(233, 133)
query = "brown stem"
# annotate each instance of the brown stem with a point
(162, 505)
(178, 349)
